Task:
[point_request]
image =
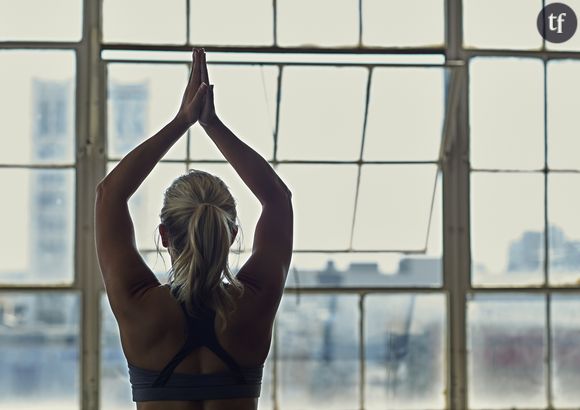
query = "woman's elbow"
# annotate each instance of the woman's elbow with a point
(287, 194)
(284, 190)
(104, 194)
(100, 191)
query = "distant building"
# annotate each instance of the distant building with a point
(412, 266)
(39, 333)
(564, 253)
(128, 119)
(51, 212)
(412, 270)
(51, 215)
(527, 253)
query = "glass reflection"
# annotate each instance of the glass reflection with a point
(405, 351)
(506, 350)
(318, 352)
(39, 351)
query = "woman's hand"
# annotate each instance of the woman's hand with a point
(195, 93)
(208, 115)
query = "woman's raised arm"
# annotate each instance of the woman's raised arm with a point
(272, 247)
(130, 172)
(127, 278)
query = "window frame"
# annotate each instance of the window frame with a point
(91, 161)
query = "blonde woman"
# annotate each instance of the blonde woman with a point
(200, 341)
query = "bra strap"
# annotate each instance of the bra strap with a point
(165, 374)
(206, 336)
(215, 347)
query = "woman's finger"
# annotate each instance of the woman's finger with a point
(195, 72)
(190, 89)
(198, 99)
(204, 73)
(191, 71)
(207, 105)
(210, 96)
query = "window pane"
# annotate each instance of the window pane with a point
(318, 353)
(394, 207)
(406, 111)
(405, 351)
(563, 89)
(507, 229)
(18, 23)
(144, 21)
(237, 258)
(245, 100)
(158, 263)
(321, 113)
(373, 269)
(325, 23)
(38, 244)
(513, 22)
(37, 107)
(145, 205)
(39, 351)
(564, 233)
(506, 350)
(574, 43)
(506, 113)
(412, 23)
(565, 352)
(364, 269)
(228, 22)
(323, 201)
(142, 99)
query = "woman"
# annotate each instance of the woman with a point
(198, 342)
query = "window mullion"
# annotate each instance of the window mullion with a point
(456, 247)
(90, 166)
(548, 298)
(457, 255)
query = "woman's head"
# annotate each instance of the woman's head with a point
(198, 226)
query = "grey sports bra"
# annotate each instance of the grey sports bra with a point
(239, 382)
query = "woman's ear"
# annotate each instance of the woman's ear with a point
(164, 235)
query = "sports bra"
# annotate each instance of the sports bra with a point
(239, 382)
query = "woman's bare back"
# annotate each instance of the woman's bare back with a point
(167, 330)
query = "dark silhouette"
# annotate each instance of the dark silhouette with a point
(200, 341)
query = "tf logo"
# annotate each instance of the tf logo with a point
(557, 22)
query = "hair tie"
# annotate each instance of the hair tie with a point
(209, 204)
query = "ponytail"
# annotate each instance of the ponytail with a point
(200, 216)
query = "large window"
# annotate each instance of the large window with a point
(433, 166)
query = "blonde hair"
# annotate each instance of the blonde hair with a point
(199, 213)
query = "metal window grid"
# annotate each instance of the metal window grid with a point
(91, 163)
